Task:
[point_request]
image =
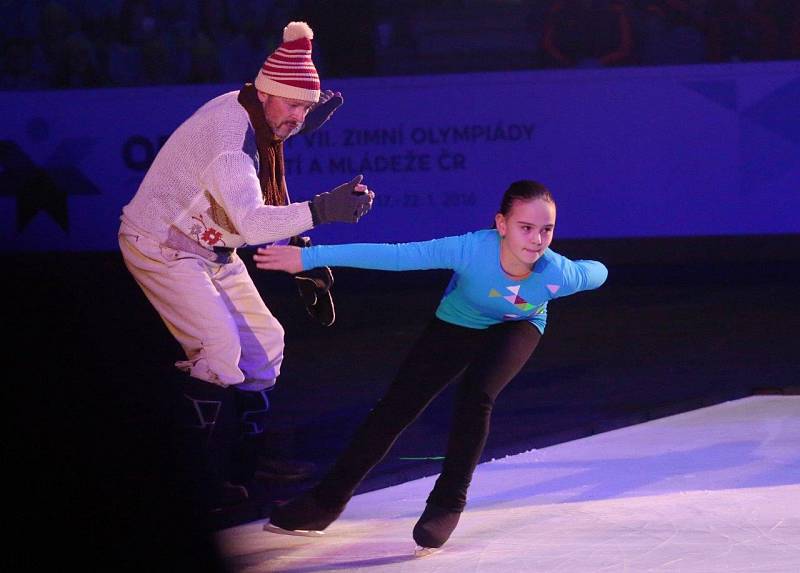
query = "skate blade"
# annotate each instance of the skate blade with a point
(425, 551)
(296, 532)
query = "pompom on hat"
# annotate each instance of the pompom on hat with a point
(289, 71)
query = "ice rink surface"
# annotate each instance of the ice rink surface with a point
(711, 490)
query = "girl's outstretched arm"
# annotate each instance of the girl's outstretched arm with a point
(444, 253)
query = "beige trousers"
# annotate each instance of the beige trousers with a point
(213, 310)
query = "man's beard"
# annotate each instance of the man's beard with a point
(293, 131)
(296, 130)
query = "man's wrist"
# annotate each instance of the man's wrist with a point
(315, 218)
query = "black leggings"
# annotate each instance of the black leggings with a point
(488, 359)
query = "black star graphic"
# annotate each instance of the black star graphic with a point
(44, 188)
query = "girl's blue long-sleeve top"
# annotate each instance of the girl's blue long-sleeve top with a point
(480, 293)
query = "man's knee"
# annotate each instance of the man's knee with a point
(270, 333)
(274, 345)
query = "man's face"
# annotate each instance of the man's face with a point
(284, 115)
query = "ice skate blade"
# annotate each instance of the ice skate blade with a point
(425, 551)
(296, 532)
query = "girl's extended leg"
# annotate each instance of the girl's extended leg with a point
(438, 356)
(507, 348)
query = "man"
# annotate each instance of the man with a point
(217, 184)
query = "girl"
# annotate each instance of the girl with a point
(487, 325)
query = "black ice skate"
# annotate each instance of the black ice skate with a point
(433, 529)
(302, 515)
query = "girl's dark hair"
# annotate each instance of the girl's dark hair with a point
(524, 190)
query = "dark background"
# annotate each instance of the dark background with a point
(80, 43)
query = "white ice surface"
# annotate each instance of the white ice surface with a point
(712, 490)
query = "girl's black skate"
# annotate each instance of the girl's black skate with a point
(302, 515)
(434, 528)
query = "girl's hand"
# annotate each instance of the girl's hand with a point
(279, 258)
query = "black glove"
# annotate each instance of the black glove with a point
(321, 112)
(342, 204)
(314, 286)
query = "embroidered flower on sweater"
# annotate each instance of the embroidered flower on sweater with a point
(205, 234)
(211, 236)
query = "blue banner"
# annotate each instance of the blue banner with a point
(639, 152)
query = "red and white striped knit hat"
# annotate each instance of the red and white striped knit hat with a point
(289, 71)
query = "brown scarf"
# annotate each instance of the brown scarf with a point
(270, 150)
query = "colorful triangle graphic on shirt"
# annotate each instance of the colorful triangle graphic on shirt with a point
(514, 289)
(553, 288)
(494, 294)
(516, 300)
(524, 306)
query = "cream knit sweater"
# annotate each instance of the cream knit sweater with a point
(204, 182)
